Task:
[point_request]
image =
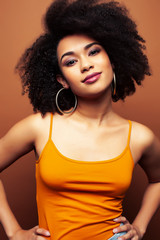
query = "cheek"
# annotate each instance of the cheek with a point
(105, 65)
(71, 75)
(107, 61)
(104, 61)
(71, 72)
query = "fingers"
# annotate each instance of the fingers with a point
(125, 237)
(42, 232)
(129, 235)
(129, 230)
(135, 238)
(120, 219)
(126, 227)
(39, 238)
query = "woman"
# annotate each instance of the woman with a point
(90, 55)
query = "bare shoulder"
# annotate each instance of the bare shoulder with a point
(33, 122)
(145, 147)
(40, 124)
(25, 129)
(20, 139)
(142, 140)
(142, 134)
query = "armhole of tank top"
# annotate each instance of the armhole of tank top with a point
(51, 126)
(50, 138)
(129, 140)
(129, 133)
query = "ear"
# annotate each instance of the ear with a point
(62, 81)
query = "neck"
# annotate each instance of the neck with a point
(98, 110)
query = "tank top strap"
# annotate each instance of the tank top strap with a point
(129, 132)
(51, 125)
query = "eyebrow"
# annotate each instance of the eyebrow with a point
(86, 47)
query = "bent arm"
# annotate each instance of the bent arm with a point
(150, 162)
(149, 159)
(7, 218)
(150, 203)
(16, 143)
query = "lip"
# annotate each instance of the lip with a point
(92, 77)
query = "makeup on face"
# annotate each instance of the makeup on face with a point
(85, 65)
(91, 78)
(73, 53)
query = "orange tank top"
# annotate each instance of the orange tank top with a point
(78, 200)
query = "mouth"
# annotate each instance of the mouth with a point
(92, 77)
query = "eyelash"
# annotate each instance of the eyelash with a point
(94, 52)
(70, 62)
(91, 53)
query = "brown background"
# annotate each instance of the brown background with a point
(20, 24)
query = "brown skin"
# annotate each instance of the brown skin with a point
(93, 122)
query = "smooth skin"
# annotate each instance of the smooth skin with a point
(92, 123)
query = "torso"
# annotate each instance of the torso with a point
(78, 141)
(95, 184)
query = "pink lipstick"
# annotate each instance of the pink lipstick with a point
(92, 77)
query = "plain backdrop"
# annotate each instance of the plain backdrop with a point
(20, 25)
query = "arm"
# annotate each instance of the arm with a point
(150, 162)
(17, 142)
(6, 216)
(11, 226)
(150, 204)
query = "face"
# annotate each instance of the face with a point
(85, 66)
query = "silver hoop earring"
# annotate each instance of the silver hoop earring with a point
(114, 87)
(65, 112)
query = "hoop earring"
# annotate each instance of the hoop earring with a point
(67, 112)
(114, 85)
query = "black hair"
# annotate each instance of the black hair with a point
(109, 23)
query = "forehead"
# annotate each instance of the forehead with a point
(73, 43)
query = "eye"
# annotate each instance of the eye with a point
(94, 52)
(70, 62)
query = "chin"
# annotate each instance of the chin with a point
(96, 94)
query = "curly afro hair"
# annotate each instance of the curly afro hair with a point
(109, 23)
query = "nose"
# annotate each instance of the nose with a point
(86, 65)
